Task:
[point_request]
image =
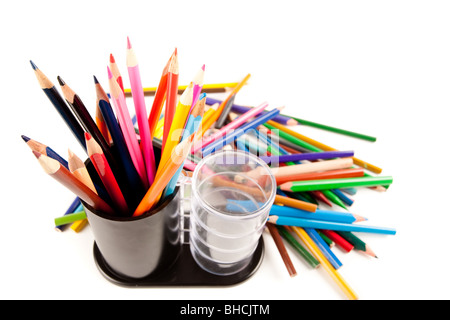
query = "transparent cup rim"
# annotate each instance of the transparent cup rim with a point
(213, 210)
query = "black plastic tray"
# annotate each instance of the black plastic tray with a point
(184, 272)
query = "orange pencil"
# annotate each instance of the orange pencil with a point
(179, 154)
(106, 175)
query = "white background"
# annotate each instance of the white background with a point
(376, 67)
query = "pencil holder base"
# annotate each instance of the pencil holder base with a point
(184, 272)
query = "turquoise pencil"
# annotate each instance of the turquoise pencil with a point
(326, 225)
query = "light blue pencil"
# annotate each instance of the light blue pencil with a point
(326, 225)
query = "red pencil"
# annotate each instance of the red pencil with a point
(106, 175)
(172, 96)
(338, 240)
(115, 71)
(321, 197)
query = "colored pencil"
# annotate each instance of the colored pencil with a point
(179, 155)
(46, 150)
(327, 184)
(225, 112)
(319, 214)
(307, 156)
(308, 257)
(141, 113)
(207, 88)
(282, 249)
(62, 175)
(220, 143)
(335, 226)
(320, 146)
(116, 73)
(101, 124)
(234, 125)
(339, 240)
(218, 112)
(160, 97)
(331, 174)
(177, 126)
(78, 169)
(241, 109)
(324, 248)
(198, 85)
(85, 119)
(106, 175)
(60, 105)
(334, 129)
(321, 197)
(342, 197)
(135, 184)
(328, 241)
(357, 243)
(127, 128)
(70, 218)
(172, 96)
(192, 126)
(339, 280)
(73, 206)
(334, 198)
(294, 203)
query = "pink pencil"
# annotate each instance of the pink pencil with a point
(198, 85)
(141, 113)
(127, 128)
(231, 126)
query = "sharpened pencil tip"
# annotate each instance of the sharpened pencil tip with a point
(88, 136)
(110, 75)
(111, 58)
(33, 65)
(61, 81)
(25, 138)
(95, 80)
(203, 67)
(128, 43)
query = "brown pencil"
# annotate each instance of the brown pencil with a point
(282, 249)
(62, 175)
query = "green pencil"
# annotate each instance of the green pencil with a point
(298, 247)
(334, 198)
(327, 184)
(70, 218)
(293, 139)
(334, 129)
(356, 242)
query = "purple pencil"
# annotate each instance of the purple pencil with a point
(241, 110)
(307, 156)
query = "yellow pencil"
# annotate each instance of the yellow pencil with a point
(212, 87)
(324, 262)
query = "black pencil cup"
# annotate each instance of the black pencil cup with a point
(140, 246)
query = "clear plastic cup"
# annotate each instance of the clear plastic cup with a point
(223, 237)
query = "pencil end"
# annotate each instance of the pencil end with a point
(61, 81)
(33, 65)
(128, 43)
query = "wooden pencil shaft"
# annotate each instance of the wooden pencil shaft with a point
(331, 174)
(308, 257)
(282, 249)
(335, 164)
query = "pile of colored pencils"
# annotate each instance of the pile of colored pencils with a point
(129, 178)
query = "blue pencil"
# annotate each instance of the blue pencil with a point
(331, 257)
(326, 225)
(221, 142)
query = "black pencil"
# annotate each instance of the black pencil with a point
(62, 108)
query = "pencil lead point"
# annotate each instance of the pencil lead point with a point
(111, 58)
(61, 81)
(33, 65)
(36, 154)
(110, 75)
(128, 43)
(95, 80)
(25, 138)
(88, 136)
(203, 67)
